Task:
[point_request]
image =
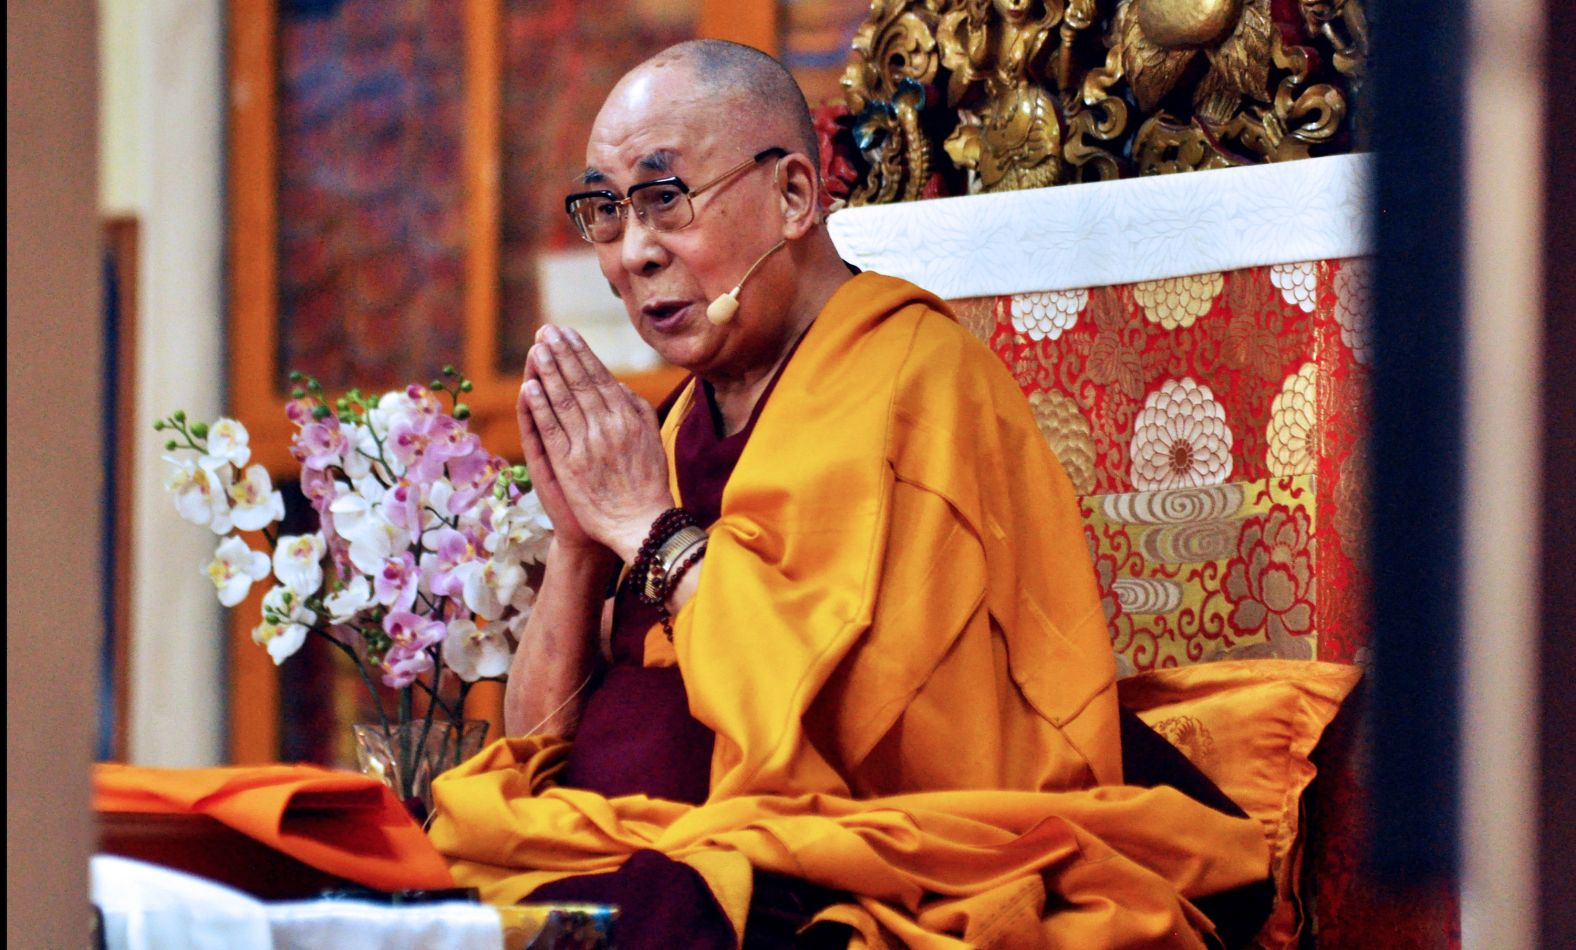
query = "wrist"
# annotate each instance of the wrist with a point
(629, 539)
(590, 558)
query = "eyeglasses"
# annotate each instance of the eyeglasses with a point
(662, 204)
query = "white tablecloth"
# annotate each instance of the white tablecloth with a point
(148, 907)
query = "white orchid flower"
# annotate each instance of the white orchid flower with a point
(346, 603)
(254, 503)
(286, 622)
(298, 562)
(363, 449)
(233, 569)
(373, 538)
(438, 500)
(475, 652)
(201, 490)
(521, 531)
(489, 586)
(368, 486)
(524, 598)
(228, 440)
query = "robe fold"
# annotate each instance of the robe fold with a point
(898, 643)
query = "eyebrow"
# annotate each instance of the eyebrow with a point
(659, 161)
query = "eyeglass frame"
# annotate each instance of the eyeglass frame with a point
(626, 202)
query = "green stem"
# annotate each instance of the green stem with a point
(437, 698)
(407, 779)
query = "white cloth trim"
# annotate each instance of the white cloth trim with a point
(1118, 232)
(332, 925)
(148, 907)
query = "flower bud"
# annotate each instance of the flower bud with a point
(159, 425)
(449, 370)
(295, 376)
(320, 412)
(200, 430)
(179, 415)
(465, 386)
(462, 411)
(298, 393)
(169, 446)
(435, 384)
(520, 473)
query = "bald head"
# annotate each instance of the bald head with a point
(751, 90)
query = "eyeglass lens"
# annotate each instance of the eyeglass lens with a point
(661, 207)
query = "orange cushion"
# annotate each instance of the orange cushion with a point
(346, 824)
(1250, 726)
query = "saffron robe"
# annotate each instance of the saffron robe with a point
(898, 643)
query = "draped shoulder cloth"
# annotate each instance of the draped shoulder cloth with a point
(898, 641)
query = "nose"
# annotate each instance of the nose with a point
(639, 250)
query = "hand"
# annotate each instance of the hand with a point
(599, 440)
(567, 532)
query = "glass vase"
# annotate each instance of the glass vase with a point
(406, 756)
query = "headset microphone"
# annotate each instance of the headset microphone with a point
(722, 309)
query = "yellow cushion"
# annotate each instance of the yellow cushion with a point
(1250, 726)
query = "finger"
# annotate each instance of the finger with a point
(595, 370)
(580, 382)
(645, 410)
(569, 418)
(531, 442)
(549, 432)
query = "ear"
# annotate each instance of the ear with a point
(798, 193)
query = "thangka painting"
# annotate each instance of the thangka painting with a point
(559, 60)
(371, 229)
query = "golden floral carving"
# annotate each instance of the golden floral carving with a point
(1069, 435)
(1017, 94)
(1293, 424)
(1175, 302)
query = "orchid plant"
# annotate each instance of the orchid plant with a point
(419, 568)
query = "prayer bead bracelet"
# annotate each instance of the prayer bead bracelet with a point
(662, 530)
(692, 554)
(677, 545)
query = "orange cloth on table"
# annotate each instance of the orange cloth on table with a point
(346, 824)
(898, 641)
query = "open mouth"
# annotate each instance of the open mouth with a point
(665, 314)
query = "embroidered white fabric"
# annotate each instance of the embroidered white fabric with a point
(1119, 232)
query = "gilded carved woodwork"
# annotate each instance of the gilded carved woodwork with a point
(962, 96)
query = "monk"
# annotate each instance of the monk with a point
(854, 686)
